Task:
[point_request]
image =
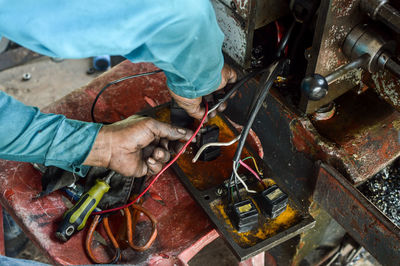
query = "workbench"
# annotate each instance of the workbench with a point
(183, 228)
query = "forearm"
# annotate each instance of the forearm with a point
(28, 135)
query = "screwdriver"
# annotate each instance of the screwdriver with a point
(75, 218)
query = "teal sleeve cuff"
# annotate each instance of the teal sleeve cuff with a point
(28, 135)
(71, 145)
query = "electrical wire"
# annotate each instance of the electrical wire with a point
(213, 144)
(254, 162)
(114, 82)
(268, 80)
(235, 165)
(253, 172)
(237, 85)
(162, 170)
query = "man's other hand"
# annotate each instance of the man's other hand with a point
(193, 107)
(136, 146)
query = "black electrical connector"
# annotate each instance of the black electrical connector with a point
(209, 134)
(179, 117)
(272, 201)
(243, 215)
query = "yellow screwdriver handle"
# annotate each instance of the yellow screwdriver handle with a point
(75, 218)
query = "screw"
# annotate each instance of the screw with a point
(219, 191)
(26, 76)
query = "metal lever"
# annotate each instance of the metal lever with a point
(315, 86)
(367, 48)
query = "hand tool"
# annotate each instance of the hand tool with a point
(75, 218)
(131, 219)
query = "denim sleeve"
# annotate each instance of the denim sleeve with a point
(28, 135)
(181, 37)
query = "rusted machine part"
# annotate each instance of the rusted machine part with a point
(335, 20)
(361, 219)
(381, 10)
(238, 19)
(388, 87)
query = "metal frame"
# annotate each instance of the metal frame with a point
(360, 218)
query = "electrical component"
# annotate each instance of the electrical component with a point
(244, 215)
(208, 134)
(272, 201)
(179, 117)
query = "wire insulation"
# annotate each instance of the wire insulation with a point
(213, 144)
(235, 165)
(254, 162)
(253, 172)
(162, 170)
(115, 82)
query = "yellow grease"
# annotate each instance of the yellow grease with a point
(266, 228)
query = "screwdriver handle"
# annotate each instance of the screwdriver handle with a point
(75, 218)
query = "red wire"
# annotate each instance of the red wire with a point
(253, 172)
(278, 32)
(163, 170)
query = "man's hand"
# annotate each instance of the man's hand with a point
(136, 146)
(192, 106)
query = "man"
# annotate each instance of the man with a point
(179, 36)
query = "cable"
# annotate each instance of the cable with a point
(284, 41)
(237, 85)
(114, 82)
(163, 170)
(255, 163)
(275, 70)
(241, 180)
(253, 172)
(213, 144)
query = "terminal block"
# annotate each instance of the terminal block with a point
(272, 201)
(209, 134)
(244, 215)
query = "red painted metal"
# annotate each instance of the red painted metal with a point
(258, 260)
(2, 247)
(183, 227)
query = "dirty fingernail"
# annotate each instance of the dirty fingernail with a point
(181, 130)
(151, 161)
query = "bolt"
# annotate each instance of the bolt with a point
(26, 76)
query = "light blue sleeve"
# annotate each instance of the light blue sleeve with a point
(181, 37)
(28, 135)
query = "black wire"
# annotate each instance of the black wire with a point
(284, 42)
(114, 82)
(267, 82)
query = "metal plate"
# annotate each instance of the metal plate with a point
(203, 179)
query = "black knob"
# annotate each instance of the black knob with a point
(315, 87)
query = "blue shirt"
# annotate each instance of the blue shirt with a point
(181, 37)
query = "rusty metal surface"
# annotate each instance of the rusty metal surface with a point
(203, 179)
(181, 222)
(362, 220)
(238, 19)
(335, 20)
(268, 233)
(237, 22)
